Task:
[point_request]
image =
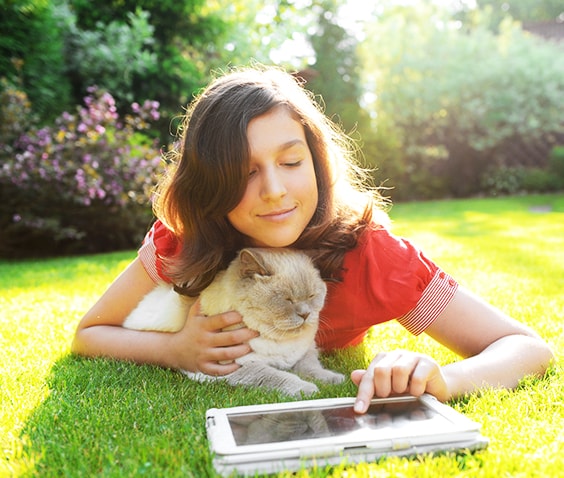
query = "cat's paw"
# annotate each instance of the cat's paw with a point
(305, 389)
(328, 376)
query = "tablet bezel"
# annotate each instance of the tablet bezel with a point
(222, 440)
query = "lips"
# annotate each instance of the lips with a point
(279, 214)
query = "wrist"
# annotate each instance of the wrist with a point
(456, 381)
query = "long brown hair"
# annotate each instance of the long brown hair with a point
(208, 177)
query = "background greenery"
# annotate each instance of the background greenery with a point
(447, 99)
(66, 416)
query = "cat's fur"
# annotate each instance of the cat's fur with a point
(279, 293)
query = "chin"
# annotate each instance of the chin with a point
(274, 243)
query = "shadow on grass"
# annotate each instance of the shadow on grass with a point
(118, 419)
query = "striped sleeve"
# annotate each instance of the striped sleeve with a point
(436, 296)
(159, 244)
(148, 255)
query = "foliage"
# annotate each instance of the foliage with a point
(115, 54)
(336, 68)
(181, 40)
(80, 185)
(31, 51)
(15, 114)
(461, 95)
(520, 179)
(266, 31)
(141, 420)
(520, 10)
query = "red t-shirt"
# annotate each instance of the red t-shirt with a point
(385, 277)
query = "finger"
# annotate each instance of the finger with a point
(233, 337)
(356, 376)
(229, 354)
(365, 391)
(216, 369)
(221, 321)
(383, 371)
(420, 377)
(221, 360)
(401, 372)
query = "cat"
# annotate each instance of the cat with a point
(279, 293)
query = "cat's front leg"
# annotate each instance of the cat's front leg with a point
(258, 374)
(310, 366)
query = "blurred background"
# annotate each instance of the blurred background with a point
(447, 99)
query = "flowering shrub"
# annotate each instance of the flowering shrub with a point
(82, 185)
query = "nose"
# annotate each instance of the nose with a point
(273, 186)
(304, 315)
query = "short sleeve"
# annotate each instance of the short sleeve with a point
(385, 277)
(159, 243)
(435, 297)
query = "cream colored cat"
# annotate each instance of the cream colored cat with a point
(279, 293)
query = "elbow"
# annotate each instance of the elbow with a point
(79, 345)
(537, 355)
(76, 346)
(546, 357)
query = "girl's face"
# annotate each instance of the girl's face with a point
(281, 194)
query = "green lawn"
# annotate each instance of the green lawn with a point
(67, 416)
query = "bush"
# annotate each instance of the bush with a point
(556, 163)
(519, 179)
(462, 89)
(82, 185)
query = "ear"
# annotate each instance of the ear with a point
(252, 263)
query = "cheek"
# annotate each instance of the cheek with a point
(241, 210)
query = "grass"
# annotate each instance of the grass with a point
(67, 416)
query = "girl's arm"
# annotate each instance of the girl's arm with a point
(498, 351)
(199, 346)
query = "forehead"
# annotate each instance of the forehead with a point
(278, 129)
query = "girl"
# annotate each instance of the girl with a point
(261, 165)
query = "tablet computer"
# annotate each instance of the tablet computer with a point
(289, 436)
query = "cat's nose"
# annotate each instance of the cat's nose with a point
(304, 315)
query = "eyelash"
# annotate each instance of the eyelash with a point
(293, 164)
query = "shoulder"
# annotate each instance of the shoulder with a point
(377, 246)
(397, 275)
(159, 244)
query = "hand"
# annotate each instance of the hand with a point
(202, 345)
(398, 372)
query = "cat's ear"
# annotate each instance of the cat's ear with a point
(252, 263)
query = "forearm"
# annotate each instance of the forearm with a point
(125, 344)
(501, 365)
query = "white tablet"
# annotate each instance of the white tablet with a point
(290, 436)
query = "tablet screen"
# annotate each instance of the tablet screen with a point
(394, 418)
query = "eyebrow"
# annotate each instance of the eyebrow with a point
(290, 144)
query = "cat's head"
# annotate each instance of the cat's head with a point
(283, 291)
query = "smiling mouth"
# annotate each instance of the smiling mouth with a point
(277, 214)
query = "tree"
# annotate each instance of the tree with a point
(31, 54)
(519, 10)
(455, 97)
(336, 69)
